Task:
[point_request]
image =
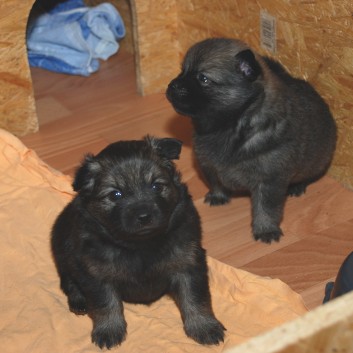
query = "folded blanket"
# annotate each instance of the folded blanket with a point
(71, 37)
(34, 312)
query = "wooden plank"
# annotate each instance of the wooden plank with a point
(327, 329)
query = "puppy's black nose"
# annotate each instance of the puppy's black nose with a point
(174, 84)
(144, 218)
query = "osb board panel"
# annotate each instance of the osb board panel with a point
(156, 43)
(327, 329)
(314, 41)
(17, 107)
(152, 35)
(200, 19)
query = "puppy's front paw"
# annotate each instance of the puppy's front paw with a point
(208, 331)
(268, 237)
(108, 335)
(216, 198)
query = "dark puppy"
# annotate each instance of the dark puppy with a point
(257, 129)
(133, 234)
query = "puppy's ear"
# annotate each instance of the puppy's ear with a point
(169, 148)
(84, 178)
(247, 64)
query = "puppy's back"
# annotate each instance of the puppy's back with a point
(314, 129)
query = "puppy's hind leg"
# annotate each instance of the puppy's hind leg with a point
(267, 202)
(297, 189)
(217, 195)
(76, 300)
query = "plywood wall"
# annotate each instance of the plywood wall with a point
(17, 107)
(314, 42)
(156, 43)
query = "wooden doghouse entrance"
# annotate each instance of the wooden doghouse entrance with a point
(151, 34)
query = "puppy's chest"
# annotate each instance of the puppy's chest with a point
(218, 149)
(222, 160)
(130, 266)
(141, 278)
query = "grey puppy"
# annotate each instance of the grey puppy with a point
(256, 128)
(133, 234)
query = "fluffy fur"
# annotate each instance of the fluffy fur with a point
(256, 128)
(133, 234)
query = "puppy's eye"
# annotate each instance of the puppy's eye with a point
(202, 78)
(157, 187)
(115, 195)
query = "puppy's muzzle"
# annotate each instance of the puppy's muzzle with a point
(174, 85)
(144, 218)
(176, 89)
(142, 215)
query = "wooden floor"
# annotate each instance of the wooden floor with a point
(79, 115)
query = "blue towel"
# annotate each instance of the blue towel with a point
(71, 37)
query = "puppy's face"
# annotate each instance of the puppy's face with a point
(218, 76)
(131, 187)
